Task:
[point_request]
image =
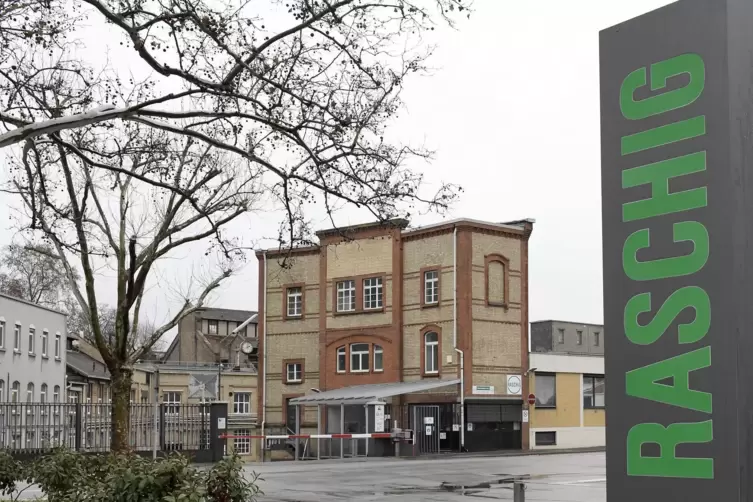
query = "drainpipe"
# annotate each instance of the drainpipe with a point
(264, 364)
(455, 335)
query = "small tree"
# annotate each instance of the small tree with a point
(126, 198)
(33, 273)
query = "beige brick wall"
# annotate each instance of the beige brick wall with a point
(294, 346)
(359, 257)
(303, 269)
(412, 351)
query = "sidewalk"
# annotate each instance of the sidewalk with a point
(509, 453)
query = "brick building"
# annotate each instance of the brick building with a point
(375, 304)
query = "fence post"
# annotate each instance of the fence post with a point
(78, 418)
(217, 426)
(162, 427)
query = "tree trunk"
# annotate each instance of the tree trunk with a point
(121, 409)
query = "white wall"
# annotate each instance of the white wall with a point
(572, 437)
(556, 363)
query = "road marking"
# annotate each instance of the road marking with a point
(582, 481)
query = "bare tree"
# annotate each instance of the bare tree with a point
(122, 199)
(304, 92)
(35, 274)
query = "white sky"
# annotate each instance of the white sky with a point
(513, 114)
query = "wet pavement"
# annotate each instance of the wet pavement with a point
(552, 478)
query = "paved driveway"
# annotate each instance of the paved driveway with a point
(554, 478)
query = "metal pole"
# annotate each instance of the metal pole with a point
(155, 439)
(342, 429)
(366, 408)
(519, 491)
(297, 430)
(318, 429)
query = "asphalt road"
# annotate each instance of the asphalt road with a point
(553, 478)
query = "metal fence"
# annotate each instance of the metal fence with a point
(33, 428)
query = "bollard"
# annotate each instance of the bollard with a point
(519, 491)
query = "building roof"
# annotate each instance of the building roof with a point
(27, 302)
(363, 394)
(545, 321)
(86, 366)
(225, 314)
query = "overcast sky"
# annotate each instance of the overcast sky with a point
(513, 114)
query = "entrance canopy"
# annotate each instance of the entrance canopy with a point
(369, 394)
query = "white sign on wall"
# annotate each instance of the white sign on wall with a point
(378, 418)
(525, 416)
(483, 389)
(428, 430)
(429, 420)
(514, 385)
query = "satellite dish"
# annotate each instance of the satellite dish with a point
(247, 347)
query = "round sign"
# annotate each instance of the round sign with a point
(514, 385)
(531, 399)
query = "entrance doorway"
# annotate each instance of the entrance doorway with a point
(426, 428)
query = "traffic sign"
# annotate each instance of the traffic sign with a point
(531, 399)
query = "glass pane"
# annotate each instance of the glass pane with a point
(546, 391)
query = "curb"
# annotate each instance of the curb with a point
(507, 453)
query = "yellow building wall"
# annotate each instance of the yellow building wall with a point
(594, 418)
(567, 412)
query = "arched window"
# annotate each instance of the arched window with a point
(497, 280)
(15, 391)
(359, 357)
(2, 391)
(431, 352)
(341, 359)
(43, 393)
(30, 393)
(56, 394)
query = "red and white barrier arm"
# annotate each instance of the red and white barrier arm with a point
(376, 435)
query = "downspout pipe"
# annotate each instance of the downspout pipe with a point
(264, 363)
(455, 335)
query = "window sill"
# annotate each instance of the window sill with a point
(16, 351)
(294, 317)
(545, 407)
(57, 358)
(497, 304)
(32, 354)
(360, 372)
(293, 382)
(362, 311)
(45, 356)
(594, 408)
(430, 305)
(431, 375)
(2, 349)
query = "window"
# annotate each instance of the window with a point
(45, 334)
(30, 393)
(431, 352)
(43, 393)
(346, 296)
(2, 391)
(546, 438)
(31, 340)
(17, 338)
(294, 372)
(242, 403)
(378, 358)
(341, 359)
(2, 334)
(497, 269)
(172, 402)
(593, 392)
(57, 345)
(242, 445)
(372, 293)
(14, 392)
(214, 327)
(295, 301)
(596, 339)
(579, 338)
(56, 394)
(431, 287)
(546, 390)
(561, 336)
(359, 357)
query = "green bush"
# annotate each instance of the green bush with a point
(66, 476)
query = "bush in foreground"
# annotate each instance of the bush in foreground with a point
(67, 476)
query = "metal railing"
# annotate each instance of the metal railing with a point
(36, 427)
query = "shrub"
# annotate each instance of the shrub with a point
(66, 476)
(11, 472)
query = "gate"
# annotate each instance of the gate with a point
(426, 427)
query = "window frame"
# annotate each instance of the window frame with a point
(43, 393)
(593, 379)
(435, 351)
(172, 406)
(352, 289)
(58, 345)
(287, 288)
(45, 343)
(32, 340)
(30, 392)
(17, 338)
(216, 324)
(545, 374)
(579, 337)
(359, 282)
(2, 334)
(597, 338)
(437, 282)
(56, 394)
(505, 262)
(377, 349)
(244, 442)
(15, 392)
(377, 296)
(561, 336)
(286, 364)
(341, 351)
(362, 356)
(545, 434)
(246, 405)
